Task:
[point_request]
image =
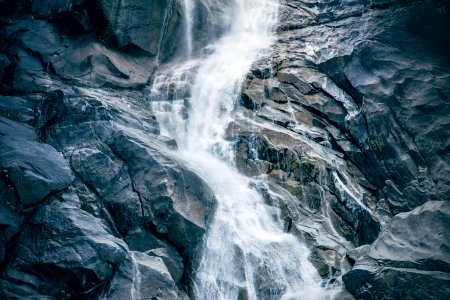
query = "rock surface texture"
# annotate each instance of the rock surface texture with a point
(349, 118)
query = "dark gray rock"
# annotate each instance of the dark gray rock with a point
(20, 131)
(4, 63)
(356, 81)
(10, 220)
(353, 89)
(143, 276)
(121, 172)
(29, 73)
(34, 169)
(398, 284)
(411, 258)
(174, 199)
(364, 228)
(43, 39)
(148, 25)
(28, 45)
(90, 63)
(401, 99)
(62, 251)
(109, 178)
(416, 238)
(17, 109)
(172, 260)
(141, 240)
(51, 8)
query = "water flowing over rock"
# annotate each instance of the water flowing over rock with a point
(215, 149)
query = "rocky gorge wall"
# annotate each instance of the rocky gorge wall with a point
(349, 118)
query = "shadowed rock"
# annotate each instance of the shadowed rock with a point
(35, 169)
(411, 258)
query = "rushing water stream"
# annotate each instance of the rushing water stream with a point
(247, 254)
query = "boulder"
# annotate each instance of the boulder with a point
(42, 38)
(148, 25)
(34, 169)
(410, 259)
(90, 63)
(17, 109)
(142, 276)
(175, 201)
(171, 259)
(109, 178)
(61, 252)
(29, 73)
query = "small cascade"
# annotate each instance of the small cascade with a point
(188, 8)
(136, 287)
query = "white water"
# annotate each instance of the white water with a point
(188, 8)
(136, 287)
(247, 253)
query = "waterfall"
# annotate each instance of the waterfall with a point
(136, 281)
(188, 8)
(247, 254)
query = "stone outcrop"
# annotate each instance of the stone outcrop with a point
(409, 260)
(350, 82)
(92, 203)
(149, 26)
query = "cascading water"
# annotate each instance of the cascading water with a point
(188, 8)
(247, 255)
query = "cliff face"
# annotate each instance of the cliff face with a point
(349, 118)
(370, 83)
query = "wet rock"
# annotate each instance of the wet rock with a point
(35, 169)
(90, 63)
(51, 8)
(61, 251)
(143, 276)
(355, 71)
(43, 39)
(10, 220)
(417, 236)
(174, 199)
(290, 76)
(355, 87)
(399, 101)
(95, 167)
(149, 25)
(4, 63)
(365, 228)
(355, 254)
(59, 110)
(398, 283)
(17, 109)
(141, 240)
(29, 74)
(410, 259)
(110, 180)
(171, 259)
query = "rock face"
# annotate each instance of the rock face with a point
(150, 26)
(92, 202)
(348, 118)
(350, 82)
